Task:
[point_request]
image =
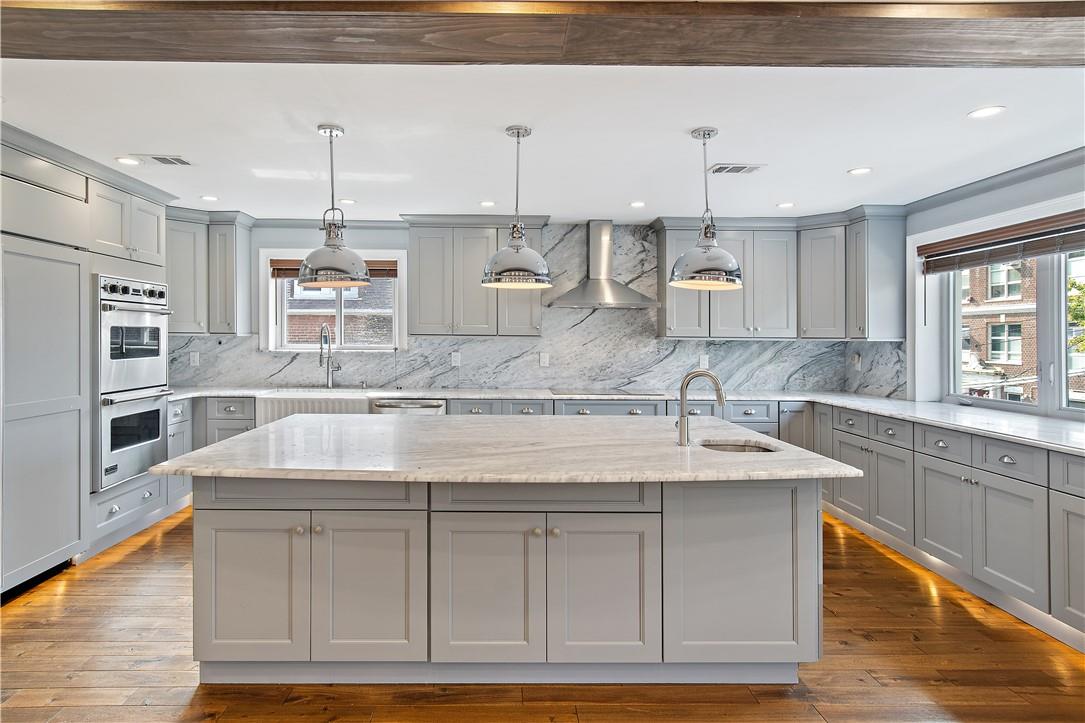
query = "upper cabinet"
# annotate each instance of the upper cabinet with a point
(228, 273)
(765, 307)
(186, 276)
(446, 256)
(821, 282)
(125, 226)
(875, 279)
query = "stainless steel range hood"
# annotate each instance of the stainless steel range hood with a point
(600, 290)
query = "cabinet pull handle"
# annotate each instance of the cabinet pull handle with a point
(634, 410)
(229, 408)
(527, 410)
(1007, 459)
(299, 530)
(171, 435)
(317, 529)
(748, 412)
(476, 410)
(850, 422)
(537, 532)
(177, 412)
(694, 412)
(965, 479)
(556, 532)
(114, 509)
(890, 432)
(941, 443)
(146, 494)
(583, 411)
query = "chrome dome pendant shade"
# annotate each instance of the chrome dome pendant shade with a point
(706, 266)
(333, 265)
(517, 266)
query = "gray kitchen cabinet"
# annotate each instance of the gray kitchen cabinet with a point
(527, 406)
(127, 502)
(220, 429)
(891, 431)
(749, 411)
(822, 272)
(767, 428)
(775, 286)
(42, 200)
(1067, 531)
(519, 313)
(685, 311)
(147, 232)
(110, 210)
(369, 587)
(1010, 537)
(726, 600)
(231, 408)
(46, 436)
(943, 510)
(948, 444)
(695, 409)
(429, 261)
(1067, 473)
(731, 312)
(823, 444)
(852, 494)
(474, 307)
(797, 424)
(875, 279)
(849, 420)
(178, 442)
(1019, 461)
(488, 587)
(892, 484)
(186, 275)
(180, 411)
(251, 585)
(604, 592)
(632, 407)
(229, 288)
(474, 406)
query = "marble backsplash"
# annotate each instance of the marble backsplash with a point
(588, 349)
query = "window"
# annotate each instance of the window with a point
(1073, 341)
(1003, 281)
(966, 286)
(1005, 340)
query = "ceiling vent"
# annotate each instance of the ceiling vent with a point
(734, 168)
(162, 159)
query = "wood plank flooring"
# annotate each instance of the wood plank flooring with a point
(110, 641)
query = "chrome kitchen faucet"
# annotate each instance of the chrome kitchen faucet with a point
(683, 404)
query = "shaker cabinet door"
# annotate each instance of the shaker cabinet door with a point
(1068, 559)
(892, 503)
(686, 310)
(186, 274)
(823, 444)
(474, 307)
(943, 510)
(852, 494)
(775, 284)
(856, 285)
(519, 313)
(797, 424)
(429, 263)
(220, 429)
(821, 283)
(731, 312)
(487, 587)
(110, 219)
(251, 585)
(147, 232)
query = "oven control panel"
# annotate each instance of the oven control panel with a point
(111, 288)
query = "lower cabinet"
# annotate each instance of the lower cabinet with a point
(852, 494)
(797, 424)
(891, 482)
(823, 444)
(1068, 558)
(287, 585)
(535, 587)
(220, 429)
(943, 510)
(178, 442)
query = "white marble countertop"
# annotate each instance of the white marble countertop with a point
(1063, 435)
(551, 449)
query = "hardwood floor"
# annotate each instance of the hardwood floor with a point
(110, 640)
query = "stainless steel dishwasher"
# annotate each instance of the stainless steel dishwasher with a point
(407, 406)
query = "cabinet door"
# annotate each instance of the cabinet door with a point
(250, 587)
(797, 424)
(726, 599)
(856, 284)
(892, 485)
(474, 307)
(221, 272)
(429, 257)
(186, 274)
(110, 219)
(730, 312)
(220, 429)
(178, 442)
(519, 313)
(604, 595)
(821, 283)
(686, 310)
(823, 444)
(852, 494)
(147, 232)
(943, 510)
(1009, 537)
(775, 284)
(370, 597)
(474, 406)
(1068, 559)
(488, 587)
(527, 407)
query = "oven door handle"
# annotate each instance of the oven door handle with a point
(110, 401)
(136, 307)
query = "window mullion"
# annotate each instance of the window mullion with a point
(339, 317)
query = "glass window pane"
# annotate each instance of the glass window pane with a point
(1074, 339)
(306, 310)
(368, 314)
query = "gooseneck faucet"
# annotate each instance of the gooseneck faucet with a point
(326, 339)
(683, 404)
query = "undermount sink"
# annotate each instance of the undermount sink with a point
(731, 447)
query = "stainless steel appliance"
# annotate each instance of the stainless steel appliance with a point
(132, 370)
(407, 406)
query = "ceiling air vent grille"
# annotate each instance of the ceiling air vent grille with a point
(734, 168)
(163, 159)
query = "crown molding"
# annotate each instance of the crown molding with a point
(232, 218)
(192, 215)
(472, 220)
(310, 224)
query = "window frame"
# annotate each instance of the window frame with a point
(1006, 338)
(1007, 267)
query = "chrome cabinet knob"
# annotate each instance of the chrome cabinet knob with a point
(965, 479)
(748, 412)
(941, 443)
(171, 435)
(537, 532)
(527, 410)
(694, 412)
(229, 408)
(583, 411)
(146, 494)
(634, 411)
(1007, 459)
(114, 509)
(299, 530)
(555, 532)
(850, 422)
(317, 529)
(476, 410)
(177, 412)
(890, 432)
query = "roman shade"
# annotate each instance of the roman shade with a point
(378, 268)
(1049, 235)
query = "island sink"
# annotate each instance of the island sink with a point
(741, 447)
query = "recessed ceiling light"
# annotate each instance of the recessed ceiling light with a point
(346, 201)
(785, 204)
(487, 204)
(636, 204)
(126, 161)
(209, 198)
(861, 171)
(987, 111)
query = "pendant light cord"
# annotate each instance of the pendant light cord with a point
(331, 165)
(516, 206)
(704, 161)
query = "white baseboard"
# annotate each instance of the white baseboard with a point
(318, 672)
(1036, 618)
(107, 541)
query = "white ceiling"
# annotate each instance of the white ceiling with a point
(429, 139)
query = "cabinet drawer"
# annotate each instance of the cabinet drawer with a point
(474, 406)
(283, 494)
(945, 443)
(619, 496)
(231, 408)
(771, 430)
(847, 420)
(528, 407)
(891, 431)
(632, 407)
(695, 409)
(180, 411)
(1067, 473)
(134, 498)
(1011, 459)
(751, 412)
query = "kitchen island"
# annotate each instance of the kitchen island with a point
(360, 548)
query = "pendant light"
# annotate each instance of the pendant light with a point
(517, 266)
(706, 266)
(333, 265)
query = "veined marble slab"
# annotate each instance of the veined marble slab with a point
(552, 449)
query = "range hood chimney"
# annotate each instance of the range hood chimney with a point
(600, 290)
